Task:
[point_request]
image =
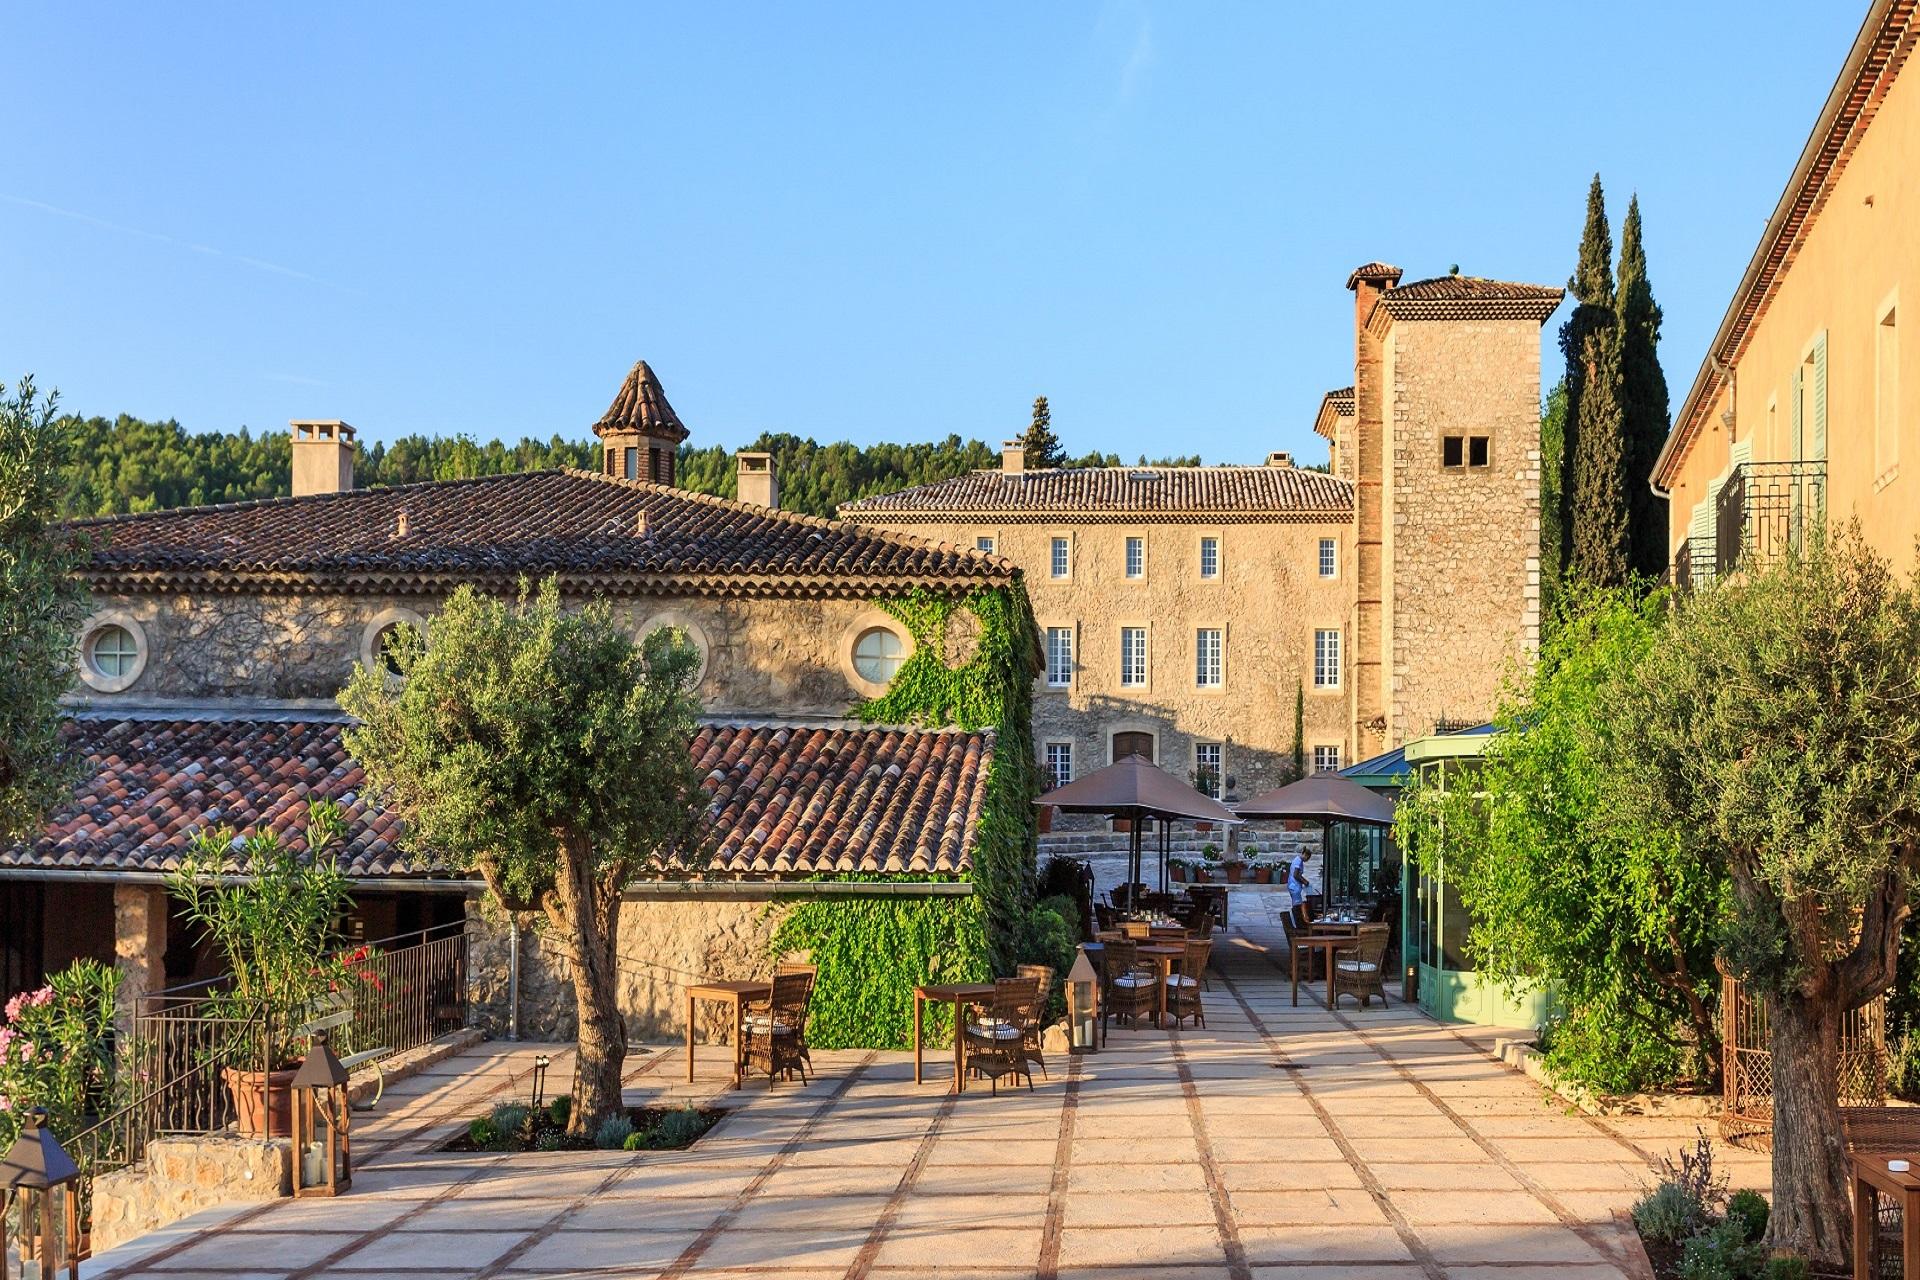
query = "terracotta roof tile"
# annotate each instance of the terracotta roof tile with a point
(641, 405)
(1373, 271)
(1445, 297)
(784, 800)
(595, 530)
(1085, 494)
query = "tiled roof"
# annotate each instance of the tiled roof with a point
(1373, 271)
(1334, 405)
(784, 800)
(641, 406)
(1341, 398)
(1445, 297)
(1091, 494)
(596, 531)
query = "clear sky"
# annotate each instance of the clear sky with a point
(861, 222)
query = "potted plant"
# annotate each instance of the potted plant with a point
(1207, 868)
(1206, 782)
(57, 1050)
(272, 917)
(1178, 868)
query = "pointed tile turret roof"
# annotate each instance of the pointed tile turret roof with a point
(641, 407)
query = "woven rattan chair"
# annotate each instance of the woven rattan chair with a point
(1131, 984)
(776, 1031)
(995, 1038)
(1038, 1030)
(1359, 970)
(1895, 1129)
(1294, 935)
(1183, 988)
(798, 962)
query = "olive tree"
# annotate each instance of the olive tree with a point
(1778, 722)
(542, 746)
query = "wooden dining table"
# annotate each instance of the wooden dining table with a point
(958, 994)
(1327, 942)
(737, 994)
(1163, 955)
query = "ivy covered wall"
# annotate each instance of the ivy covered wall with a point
(972, 667)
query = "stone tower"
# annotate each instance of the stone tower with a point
(640, 433)
(1447, 498)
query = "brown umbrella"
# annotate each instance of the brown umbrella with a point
(1323, 797)
(1135, 788)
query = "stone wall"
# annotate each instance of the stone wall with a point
(666, 945)
(1463, 601)
(764, 657)
(182, 1176)
(1267, 600)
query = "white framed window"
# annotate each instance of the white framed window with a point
(1329, 558)
(983, 543)
(1209, 769)
(1326, 758)
(1136, 557)
(1060, 558)
(1326, 659)
(1133, 657)
(1059, 657)
(112, 651)
(1059, 764)
(1207, 657)
(877, 654)
(1209, 557)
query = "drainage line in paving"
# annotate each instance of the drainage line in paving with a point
(451, 1191)
(1410, 1239)
(1223, 1221)
(1049, 1268)
(863, 1261)
(691, 1255)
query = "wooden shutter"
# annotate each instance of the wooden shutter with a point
(1817, 445)
(1799, 436)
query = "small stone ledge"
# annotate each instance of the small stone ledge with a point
(1525, 1057)
(182, 1176)
(411, 1063)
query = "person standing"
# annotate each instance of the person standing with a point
(1297, 888)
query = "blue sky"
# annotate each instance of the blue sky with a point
(851, 222)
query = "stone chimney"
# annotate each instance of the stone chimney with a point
(322, 458)
(759, 482)
(1365, 646)
(1279, 458)
(1013, 458)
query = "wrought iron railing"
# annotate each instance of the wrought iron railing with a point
(1764, 511)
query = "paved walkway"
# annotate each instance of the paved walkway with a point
(1280, 1142)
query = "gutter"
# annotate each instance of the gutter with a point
(657, 891)
(1707, 381)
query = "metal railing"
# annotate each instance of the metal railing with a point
(1764, 511)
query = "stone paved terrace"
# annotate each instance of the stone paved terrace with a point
(1279, 1142)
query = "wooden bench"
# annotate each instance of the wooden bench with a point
(333, 1015)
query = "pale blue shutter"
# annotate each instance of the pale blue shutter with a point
(1799, 436)
(1817, 446)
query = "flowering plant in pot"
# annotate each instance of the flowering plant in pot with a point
(272, 915)
(57, 1050)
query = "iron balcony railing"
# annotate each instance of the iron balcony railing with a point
(1765, 510)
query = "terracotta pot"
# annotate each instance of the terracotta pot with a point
(1263, 875)
(245, 1086)
(1203, 827)
(1200, 875)
(1233, 873)
(1293, 824)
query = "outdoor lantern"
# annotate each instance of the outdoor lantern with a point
(32, 1169)
(1083, 1004)
(540, 1065)
(322, 1152)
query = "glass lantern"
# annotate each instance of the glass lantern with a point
(322, 1149)
(1083, 1004)
(32, 1169)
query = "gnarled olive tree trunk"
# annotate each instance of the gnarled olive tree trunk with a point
(1812, 1205)
(585, 911)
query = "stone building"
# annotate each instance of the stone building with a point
(1186, 611)
(220, 636)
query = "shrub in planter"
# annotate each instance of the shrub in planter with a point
(1749, 1209)
(613, 1133)
(1722, 1252)
(1668, 1214)
(56, 1050)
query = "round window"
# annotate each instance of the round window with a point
(877, 654)
(386, 642)
(111, 652)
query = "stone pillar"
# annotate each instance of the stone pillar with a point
(1367, 674)
(139, 943)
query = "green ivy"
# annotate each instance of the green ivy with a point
(873, 951)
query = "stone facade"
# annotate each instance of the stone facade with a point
(666, 945)
(139, 944)
(1267, 599)
(789, 657)
(1463, 593)
(182, 1176)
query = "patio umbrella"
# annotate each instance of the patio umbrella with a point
(1135, 788)
(1325, 798)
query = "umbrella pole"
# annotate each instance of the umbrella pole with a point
(1166, 847)
(1133, 862)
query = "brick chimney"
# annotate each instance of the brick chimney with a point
(759, 483)
(1367, 642)
(1013, 458)
(322, 458)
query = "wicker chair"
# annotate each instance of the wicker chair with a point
(995, 1038)
(1892, 1129)
(1294, 934)
(1038, 1030)
(800, 962)
(1131, 985)
(1105, 916)
(1183, 988)
(776, 1031)
(1359, 970)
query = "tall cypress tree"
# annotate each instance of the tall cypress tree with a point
(1042, 446)
(1643, 402)
(1594, 492)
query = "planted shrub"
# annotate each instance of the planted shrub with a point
(1668, 1214)
(1748, 1208)
(1722, 1252)
(550, 1140)
(482, 1132)
(638, 1141)
(560, 1109)
(508, 1117)
(679, 1127)
(1785, 1267)
(613, 1133)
